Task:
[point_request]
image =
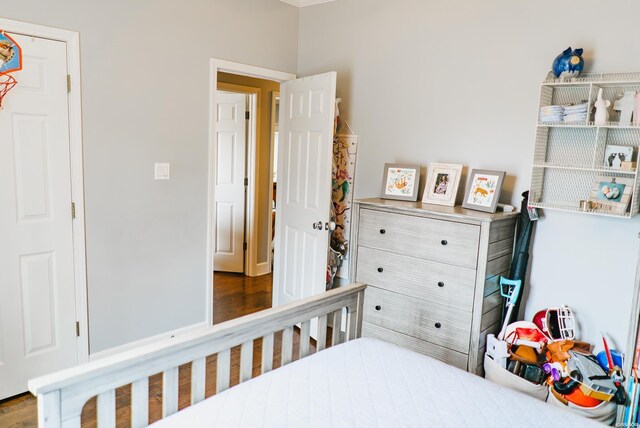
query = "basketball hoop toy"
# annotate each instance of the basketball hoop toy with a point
(10, 61)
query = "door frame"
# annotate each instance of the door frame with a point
(250, 218)
(216, 65)
(74, 100)
(271, 226)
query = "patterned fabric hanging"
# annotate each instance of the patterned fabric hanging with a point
(345, 147)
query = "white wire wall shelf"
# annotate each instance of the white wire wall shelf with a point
(569, 157)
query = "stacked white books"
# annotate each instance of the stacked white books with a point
(572, 113)
(550, 114)
(576, 113)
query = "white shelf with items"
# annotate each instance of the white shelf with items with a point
(569, 158)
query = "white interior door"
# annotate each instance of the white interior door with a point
(307, 109)
(37, 294)
(230, 182)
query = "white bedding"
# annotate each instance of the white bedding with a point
(369, 383)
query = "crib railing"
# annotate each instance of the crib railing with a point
(62, 395)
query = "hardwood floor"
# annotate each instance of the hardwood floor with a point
(234, 295)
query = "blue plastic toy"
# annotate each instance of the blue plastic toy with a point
(616, 356)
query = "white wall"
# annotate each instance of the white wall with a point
(458, 81)
(145, 71)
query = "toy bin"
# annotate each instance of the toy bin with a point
(495, 373)
(604, 412)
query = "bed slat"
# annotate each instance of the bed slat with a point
(287, 345)
(336, 327)
(246, 360)
(73, 422)
(198, 380)
(305, 338)
(140, 403)
(107, 409)
(169, 392)
(351, 322)
(322, 333)
(267, 353)
(223, 370)
(49, 410)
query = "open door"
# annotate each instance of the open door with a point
(230, 182)
(307, 109)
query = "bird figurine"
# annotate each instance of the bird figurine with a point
(569, 64)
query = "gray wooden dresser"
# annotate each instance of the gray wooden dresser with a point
(433, 276)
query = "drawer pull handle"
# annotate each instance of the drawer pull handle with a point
(380, 270)
(438, 325)
(444, 242)
(441, 284)
(378, 307)
(382, 231)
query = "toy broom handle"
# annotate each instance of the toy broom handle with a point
(607, 352)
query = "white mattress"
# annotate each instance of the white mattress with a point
(369, 383)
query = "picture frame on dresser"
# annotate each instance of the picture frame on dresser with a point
(483, 190)
(443, 181)
(400, 181)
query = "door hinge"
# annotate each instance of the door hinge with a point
(73, 210)
(77, 328)
(68, 83)
(247, 115)
(246, 181)
(244, 246)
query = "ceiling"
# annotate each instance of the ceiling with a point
(304, 3)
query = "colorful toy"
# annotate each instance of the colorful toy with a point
(556, 371)
(568, 64)
(595, 382)
(525, 333)
(10, 61)
(556, 323)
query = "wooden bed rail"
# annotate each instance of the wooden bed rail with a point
(62, 395)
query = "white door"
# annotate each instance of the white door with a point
(229, 181)
(37, 295)
(307, 109)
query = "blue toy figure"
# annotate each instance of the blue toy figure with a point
(568, 64)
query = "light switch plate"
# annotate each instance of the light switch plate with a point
(162, 171)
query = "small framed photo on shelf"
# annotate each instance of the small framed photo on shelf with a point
(401, 182)
(443, 180)
(483, 190)
(617, 157)
(611, 194)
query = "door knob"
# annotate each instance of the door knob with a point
(317, 225)
(330, 226)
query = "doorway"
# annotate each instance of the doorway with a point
(244, 208)
(305, 138)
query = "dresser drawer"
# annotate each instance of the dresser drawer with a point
(440, 325)
(454, 358)
(432, 281)
(441, 241)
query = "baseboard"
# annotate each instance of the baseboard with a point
(146, 341)
(263, 268)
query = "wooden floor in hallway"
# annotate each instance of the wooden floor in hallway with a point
(234, 295)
